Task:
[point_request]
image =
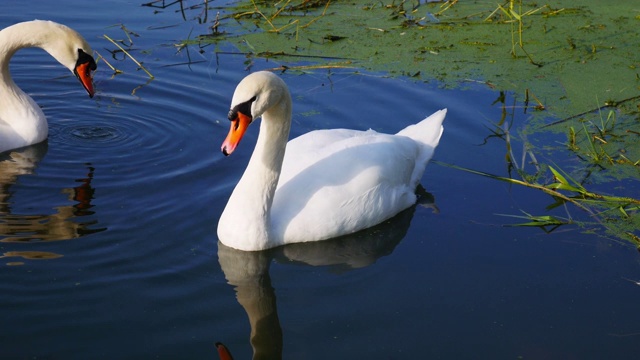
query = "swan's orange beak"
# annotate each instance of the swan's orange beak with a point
(223, 352)
(83, 72)
(238, 127)
(84, 66)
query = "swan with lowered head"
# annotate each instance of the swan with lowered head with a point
(322, 184)
(22, 122)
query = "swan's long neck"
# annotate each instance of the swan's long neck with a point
(19, 36)
(254, 193)
(23, 120)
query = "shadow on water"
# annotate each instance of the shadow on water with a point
(38, 227)
(248, 271)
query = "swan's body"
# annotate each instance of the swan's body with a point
(328, 183)
(22, 122)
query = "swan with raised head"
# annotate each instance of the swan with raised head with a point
(22, 122)
(320, 185)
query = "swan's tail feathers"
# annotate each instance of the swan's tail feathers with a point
(427, 131)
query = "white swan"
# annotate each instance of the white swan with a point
(328, 183)
(22, 122)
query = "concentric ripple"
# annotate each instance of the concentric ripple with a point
(88, 135)
(96, 133)
(163, 126)
(106, 158)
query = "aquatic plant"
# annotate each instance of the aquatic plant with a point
(120, 44)
(605, 150)
(516, 18)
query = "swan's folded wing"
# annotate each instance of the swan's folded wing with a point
(315, 146)
(343, 186)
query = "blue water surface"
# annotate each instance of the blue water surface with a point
(108, 229)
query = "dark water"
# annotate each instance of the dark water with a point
(110, 249)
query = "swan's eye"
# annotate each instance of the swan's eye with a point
(244, 108)
(233, 114)
(84, 58)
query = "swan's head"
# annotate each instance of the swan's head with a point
(256, 94)
(71, 50)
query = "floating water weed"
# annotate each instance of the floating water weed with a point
(270, 19)
(617, 217)
(542, 222)
(128, 55)
(113, 68)
(528, 93)
(599, 207)
(606, 124)
(446, 6)
(516, 18)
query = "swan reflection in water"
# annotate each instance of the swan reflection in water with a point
(28, 228)
(248, 271)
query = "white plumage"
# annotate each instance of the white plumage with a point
(22, 122)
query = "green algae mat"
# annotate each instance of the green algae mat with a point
(564, 56)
